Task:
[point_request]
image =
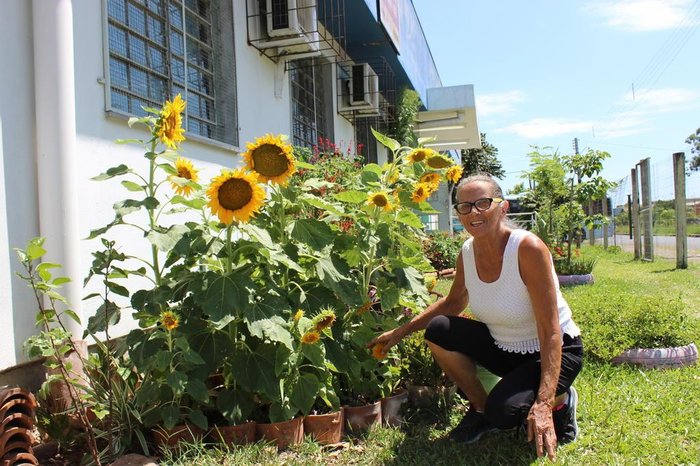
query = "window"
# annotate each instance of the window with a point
(431, 222)
(364, 136)
(312, 111)
(161, 48)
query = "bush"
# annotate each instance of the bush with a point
(577, 266)
(442, 250)
(417, 364)
(612, 322)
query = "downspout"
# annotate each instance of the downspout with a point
(54, 95)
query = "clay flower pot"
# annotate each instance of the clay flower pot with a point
(17, 420)
(283, 433)
(360, 418)
(391, 407)
(325, 428)
(18, 459)
(241, 434)
(169, 438)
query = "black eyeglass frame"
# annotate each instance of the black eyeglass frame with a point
(474, 205)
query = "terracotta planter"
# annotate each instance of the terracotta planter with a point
(169, 438)
(659, 358)
(241, 434)
(17, 420)
(325, 428)
(573, 280)
(17, 406)
(16, 440)
(391, 408)
(16, 393)
(18, 459)
(283, 433)
(360, 418)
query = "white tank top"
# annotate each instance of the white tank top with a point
(504, 305)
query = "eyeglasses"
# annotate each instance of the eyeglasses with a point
(480, 204)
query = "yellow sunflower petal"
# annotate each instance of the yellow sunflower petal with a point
(169, 125)
(454, 173)
(235, 195)
(169, 320)
(309, 338)
(430, 178)
(419, 154)
(421, 192)
(381, 200)
(271, 158)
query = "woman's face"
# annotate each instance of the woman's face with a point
(479, 223)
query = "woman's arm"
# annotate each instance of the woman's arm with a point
(536, 272)
(453, 304)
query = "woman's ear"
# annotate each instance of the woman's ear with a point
(505, 206)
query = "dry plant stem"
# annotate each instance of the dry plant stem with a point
(75, 398)
(110, 395)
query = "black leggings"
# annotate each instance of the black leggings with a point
(510, 400)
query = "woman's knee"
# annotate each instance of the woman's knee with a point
(437, 330)
(505, 412)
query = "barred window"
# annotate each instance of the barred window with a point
(312, 105)
(431, 222)
(161, 48)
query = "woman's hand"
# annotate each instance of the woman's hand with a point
(388, 339)
(540, 428)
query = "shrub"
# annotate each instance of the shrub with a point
(576, 267)
(441, 249)
(612, 322)
(417, 364)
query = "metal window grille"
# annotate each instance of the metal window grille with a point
(311, 83)
(161, 48)
(431, 222)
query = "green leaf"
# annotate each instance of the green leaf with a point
(392, 144)
(131, 186)
(43, 270)
(178, 382)
(257, 371)
(314, 353)
(70, 313)
(280, 411)
(235, 405)
(334, 273)
(272, 329)
(225, 294)
(193, 357)
(166, 241)
(112, 172)
(304, 393)
(409, 218)
(351, 196)
(313, 232)
(34, 250)
(194, 203)
(199, 419)
(118, 289)
(259, 234)
(107, 314)
(125, 207)
(320, 204)
(170, 415)
(162, 360)
(198, 391)
(371, 173)
(58, 281)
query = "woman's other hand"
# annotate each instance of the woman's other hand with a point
(540, 428)
(388, 339)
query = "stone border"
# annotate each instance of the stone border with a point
(573, 280)
(659, 358)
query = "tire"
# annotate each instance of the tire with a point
(659, 358)
(573, 280)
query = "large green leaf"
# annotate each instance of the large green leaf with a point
(313, 232)
(261, 235)
(198, 391)
(392, 144)
(334, 273)
(351, 196)
(178, 382)
(371, 173)
(282, 411)
(256, 371)
(225, 294)
(343, 359)
(235, 405)
(272, 329)
(409, 218)
(408, 277)
(107, 314)
(315, 354)
(170, 415)
(320, 204)
(112, 172)
(167, 240)
(304, 392)
(198, 418)
(131, 186)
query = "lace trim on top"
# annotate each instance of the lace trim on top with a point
(533, 345)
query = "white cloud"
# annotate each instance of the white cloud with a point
(643, 15)
(545, 127)
(661, 100)
(622, 124)
(494, 104)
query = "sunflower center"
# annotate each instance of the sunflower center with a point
(269, 160)
(235, 194)
(184, 172)
(380, 200)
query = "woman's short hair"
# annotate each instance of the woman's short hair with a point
(484, 177)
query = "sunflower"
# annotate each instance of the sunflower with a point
(421, 192)
(298, 315)
(169, 125)
(324, 320)
(235, 195)
(454, 173)
(381, 200)
(169, 320)
(430, 282)
(430, 178)
(271, 158)
(439, 161)
(419, 154)
(378, 351)
(311, 337)
(184, 170)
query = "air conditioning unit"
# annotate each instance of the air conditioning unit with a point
(290, 17)
(361, 90)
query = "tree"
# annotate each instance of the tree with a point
(694, 141)
(483, 160)
(407, 110)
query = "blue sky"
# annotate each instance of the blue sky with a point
(547, 71)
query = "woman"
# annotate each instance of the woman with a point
(524, 332)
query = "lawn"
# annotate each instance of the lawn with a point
(626, 415)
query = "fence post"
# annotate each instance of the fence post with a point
(681, 225)
(636, 231)
(647, 210)
(605, 225)
(591, 230)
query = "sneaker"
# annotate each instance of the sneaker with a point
(565, 424)
(472, 426)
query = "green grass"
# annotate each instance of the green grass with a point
(627, 416)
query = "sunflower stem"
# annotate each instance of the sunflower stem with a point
(229, 249)
(151, 190)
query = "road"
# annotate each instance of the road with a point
(664, 246)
